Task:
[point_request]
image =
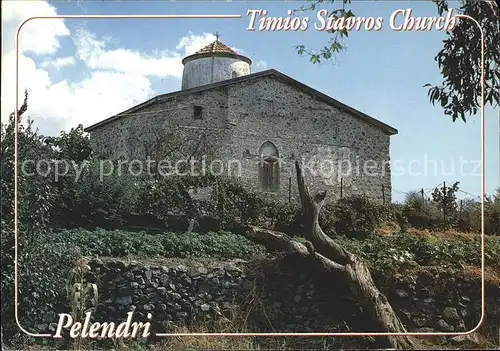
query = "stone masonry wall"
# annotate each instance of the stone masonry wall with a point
(307, 130)
(179, 293)
(239, 118)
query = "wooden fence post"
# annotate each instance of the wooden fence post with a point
(444, 203)
(289, 189)
(341, 187)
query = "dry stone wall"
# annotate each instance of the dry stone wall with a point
(288, 298)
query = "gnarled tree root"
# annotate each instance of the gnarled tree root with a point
(330, 257)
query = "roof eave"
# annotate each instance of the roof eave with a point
(180, 93)
(331, 101)
(216, 54)
(387, 129)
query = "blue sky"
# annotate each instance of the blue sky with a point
(81, 71)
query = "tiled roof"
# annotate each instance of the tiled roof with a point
(216, 46)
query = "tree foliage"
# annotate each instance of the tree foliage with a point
(71, 146)
(36, 197)
(35, 193)
(446, 200)
(459, 61)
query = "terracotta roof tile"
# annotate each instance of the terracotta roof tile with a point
(216, 46)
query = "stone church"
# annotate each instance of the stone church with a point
(254, 126)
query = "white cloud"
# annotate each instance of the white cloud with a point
(101, 95)
(260, 65)
(192, 43)
(59, 62)
(116, 78)
(239, 51)
(96, 56)
(38, 36)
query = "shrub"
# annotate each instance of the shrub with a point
(285, 217)
(415, 200)
(421, 220)
(219, 245)
(230, 203)
(394, 213)
(466, 219)
(42, 275)
(405, 250)
(91, 202)
(492, 213)
(380, 253)
(328, 218)
(469, 218)
(356, 217)
(234, 201)
(421, 212)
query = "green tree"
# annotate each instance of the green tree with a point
(36, 192)
(36, 196)
(445, 199)
(415, 200)
(72, 146)
(459, 61)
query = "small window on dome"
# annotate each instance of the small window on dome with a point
(234, 74)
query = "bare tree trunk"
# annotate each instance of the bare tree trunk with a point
(332, 258)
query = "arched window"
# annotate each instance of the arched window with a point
(234, 74)
(269, 167)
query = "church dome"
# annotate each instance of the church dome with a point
(213, 63)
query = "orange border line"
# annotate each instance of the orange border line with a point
(16, 278)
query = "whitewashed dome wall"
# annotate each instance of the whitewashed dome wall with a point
(213, 63)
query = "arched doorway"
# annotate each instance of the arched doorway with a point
(269, 167)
